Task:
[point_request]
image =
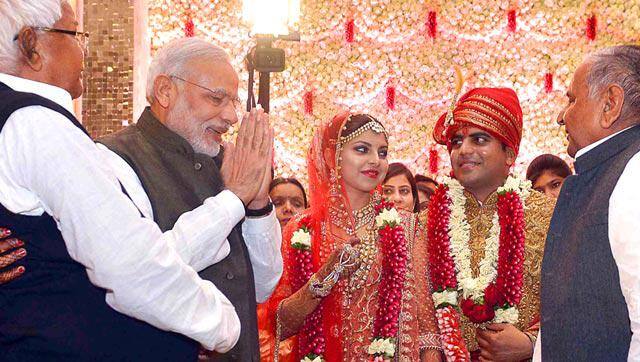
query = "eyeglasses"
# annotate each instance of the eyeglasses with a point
(219, 97)
(81, 36)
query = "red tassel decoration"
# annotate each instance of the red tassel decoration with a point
(308, 102)
(189, 28)
(548, 82)
(432, 24)
(512, 20)
(349, 30)
(391, 95)
(433, 161)
(592, 27)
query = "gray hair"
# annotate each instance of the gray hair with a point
(17, 14)
(172, 59)
(618, 65)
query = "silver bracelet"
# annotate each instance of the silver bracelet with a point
(321, 289)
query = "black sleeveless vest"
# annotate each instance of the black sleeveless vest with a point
(53, 312)
(178, 180)
(584, 314)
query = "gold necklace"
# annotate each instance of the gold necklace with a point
(367, 248)
(363, 217)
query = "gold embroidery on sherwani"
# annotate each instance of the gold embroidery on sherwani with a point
(537, 215)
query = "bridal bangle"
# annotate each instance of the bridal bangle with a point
(320, 289)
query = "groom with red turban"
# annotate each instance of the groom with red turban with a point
(486, 254)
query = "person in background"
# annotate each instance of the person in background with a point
(288, 197)
(426, 186)
(547, 173)
(399, 186)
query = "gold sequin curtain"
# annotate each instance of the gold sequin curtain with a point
(107, 103)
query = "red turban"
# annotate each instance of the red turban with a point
(495, 110)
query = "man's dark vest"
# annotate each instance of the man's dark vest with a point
(53, 312)
(584, 314)
(177, 180)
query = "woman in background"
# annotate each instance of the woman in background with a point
(426, 187)
(288, 197)
(547, 173)
(399, 186)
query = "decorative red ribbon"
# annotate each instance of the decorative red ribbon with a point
(189, 28)
(433, 161)
(548, 82)
(391, 96)
(592, 27)
(432, 24)
(349, 30)
(512, 20)
(308, 102)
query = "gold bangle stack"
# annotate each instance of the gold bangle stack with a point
(319, 289)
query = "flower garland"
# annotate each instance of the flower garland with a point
(394, 264)
(311, 342)
(493, 296)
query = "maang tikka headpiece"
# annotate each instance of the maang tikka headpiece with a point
(371, 125)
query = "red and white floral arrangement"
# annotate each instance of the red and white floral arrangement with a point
(493, 296)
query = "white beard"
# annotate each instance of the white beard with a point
(181, 121)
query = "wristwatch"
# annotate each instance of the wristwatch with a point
(259, 212)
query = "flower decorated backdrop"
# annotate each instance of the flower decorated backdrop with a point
(395, 59)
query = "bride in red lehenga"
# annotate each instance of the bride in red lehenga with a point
(335, 299)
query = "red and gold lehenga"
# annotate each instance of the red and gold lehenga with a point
(348, 312)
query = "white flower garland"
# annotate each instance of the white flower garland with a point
(389, 217)
(445, 297)
(459, 236)
(506, 315)
(317, 359)
(383, 346)
(301, 239)
(521, 187)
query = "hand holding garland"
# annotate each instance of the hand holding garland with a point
(302, 311)
(295, 309)
(503, 342)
